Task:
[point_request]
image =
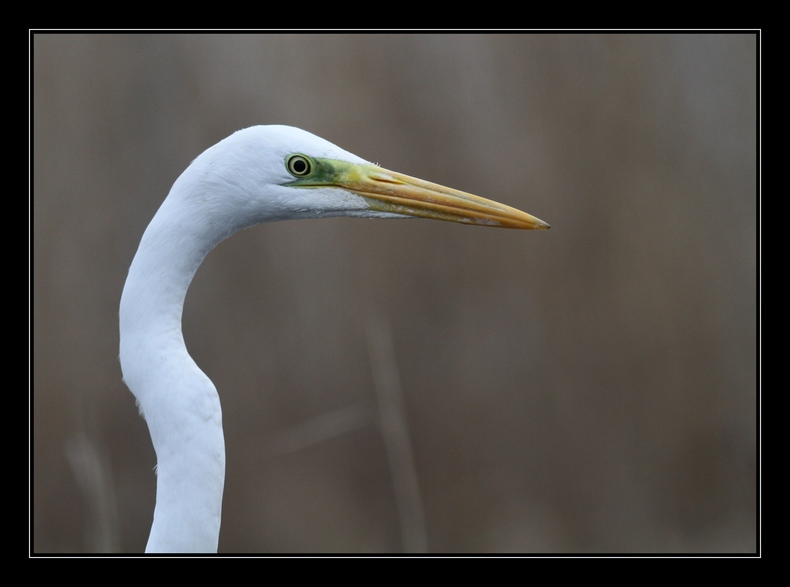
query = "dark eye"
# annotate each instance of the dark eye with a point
(298, 165)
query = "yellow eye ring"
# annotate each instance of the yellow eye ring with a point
(298, 165)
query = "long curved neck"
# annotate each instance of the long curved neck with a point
(178, 401)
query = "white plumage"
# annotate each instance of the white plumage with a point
(260, 174)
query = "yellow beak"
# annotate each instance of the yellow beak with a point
(395, 193)
(389, 191)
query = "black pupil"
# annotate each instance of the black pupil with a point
(300, 166)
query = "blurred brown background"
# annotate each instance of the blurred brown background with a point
(587, 389)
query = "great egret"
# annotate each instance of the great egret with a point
(259, 174)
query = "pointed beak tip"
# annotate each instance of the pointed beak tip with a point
(532, 223)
